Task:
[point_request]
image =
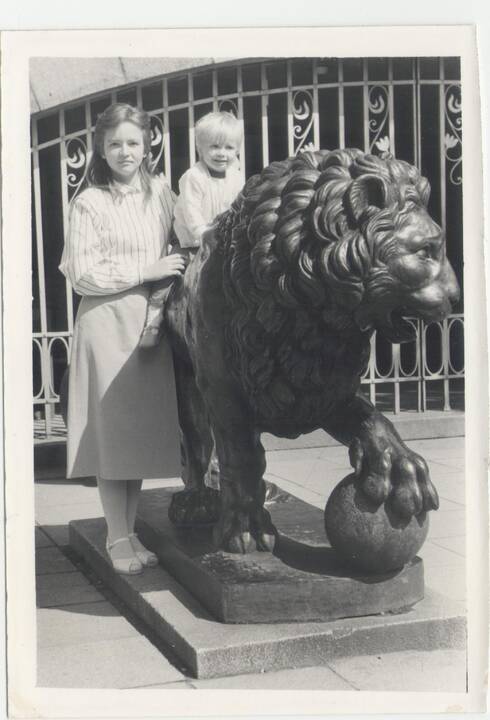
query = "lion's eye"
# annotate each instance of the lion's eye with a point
(425, 252)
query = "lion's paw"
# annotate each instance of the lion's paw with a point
(395, 474)
(239, 532)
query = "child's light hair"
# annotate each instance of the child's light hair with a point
(218, 126)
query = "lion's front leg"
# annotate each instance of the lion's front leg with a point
(386, 468)
(244, 525)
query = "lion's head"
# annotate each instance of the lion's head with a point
(348, 232)
(319, 251)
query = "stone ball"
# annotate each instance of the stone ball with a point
(368, 537)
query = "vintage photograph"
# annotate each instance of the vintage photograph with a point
(248, 372)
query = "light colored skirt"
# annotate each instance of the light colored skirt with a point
(122, 408)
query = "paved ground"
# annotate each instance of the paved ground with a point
(87, 639)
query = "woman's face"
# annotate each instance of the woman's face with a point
(124, 151)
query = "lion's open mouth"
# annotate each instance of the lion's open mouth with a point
(396, 328)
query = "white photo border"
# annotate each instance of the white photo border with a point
(17, 47)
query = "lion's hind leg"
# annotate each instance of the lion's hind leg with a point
(197, 504)
(244, 524)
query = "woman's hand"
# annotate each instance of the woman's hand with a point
(169, 266)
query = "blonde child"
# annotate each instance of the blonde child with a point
(207, 189)
(122, 412)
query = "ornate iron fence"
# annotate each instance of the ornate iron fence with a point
(410, 106)
(427, 373)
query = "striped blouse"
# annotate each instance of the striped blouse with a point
(114, 234)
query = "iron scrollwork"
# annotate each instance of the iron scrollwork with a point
(302, 120)
(453, 149)
(378, 118)
(76, 163)
(228, 105)
(156, 140)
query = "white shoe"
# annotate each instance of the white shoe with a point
(124, 566)
(146, 557)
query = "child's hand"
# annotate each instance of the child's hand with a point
(169, 266)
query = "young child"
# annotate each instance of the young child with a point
(207, 189)
(122, 411)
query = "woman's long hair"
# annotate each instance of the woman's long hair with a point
(98, 172)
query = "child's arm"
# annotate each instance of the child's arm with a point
(190, 221)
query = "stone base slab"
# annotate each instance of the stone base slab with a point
(303, 580)
(212, 649)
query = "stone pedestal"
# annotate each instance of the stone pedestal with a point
(210, 648)
(304, 580)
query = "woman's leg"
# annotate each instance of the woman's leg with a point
(144, 555)
(134, 490)
(114, 499)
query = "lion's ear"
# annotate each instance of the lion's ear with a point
(366, 194)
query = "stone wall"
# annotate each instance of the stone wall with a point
(58, 80)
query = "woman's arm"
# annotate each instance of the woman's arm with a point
(90, 270)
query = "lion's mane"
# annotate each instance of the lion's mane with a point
(304, 254)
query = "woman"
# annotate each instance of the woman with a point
(122, 416)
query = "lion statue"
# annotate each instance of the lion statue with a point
(271, 330)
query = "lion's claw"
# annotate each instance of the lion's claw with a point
(429, 494)
(266, 542)
(407, 499)
(241, 543)
(394, 474)
(377, 488)
(242, 533)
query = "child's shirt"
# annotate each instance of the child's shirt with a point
(201, 198)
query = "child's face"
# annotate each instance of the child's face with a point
(124, 151)
(218, 153)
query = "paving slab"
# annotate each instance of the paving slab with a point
(311, 678)
(452, 445)
(180, 685)
(52, 560)
(53, 514)
(449, 580)
(412, 426)
(449, 463)
(449, 523)
(54, 518)
(65, 589)
(82, 623)
(60, 493)
(313, 498)
(452, 487)
(320, 476)
(456, 544)
(41, 539)
(118, 663)
(338, 455)
(58, 534)
(212, 649)
(434, 556)
(448, 505)
(417, 671)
